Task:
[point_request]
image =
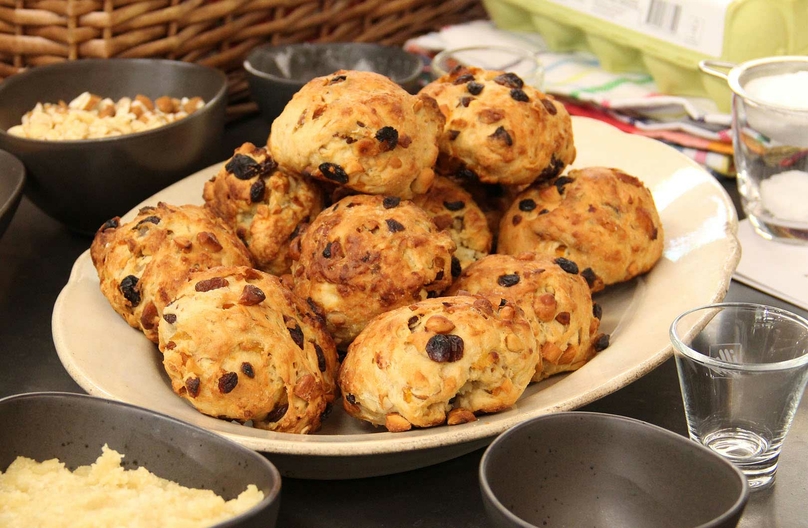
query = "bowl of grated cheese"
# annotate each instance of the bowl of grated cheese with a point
(99, 136)
(76, 460)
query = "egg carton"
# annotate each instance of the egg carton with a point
(664, 38)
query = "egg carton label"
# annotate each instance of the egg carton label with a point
(694, 24)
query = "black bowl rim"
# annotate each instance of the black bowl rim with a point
(503, 437)
(252, 70)
(8, 201)
(269, 498)
(68, 65)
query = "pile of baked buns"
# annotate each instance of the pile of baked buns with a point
(422, 257)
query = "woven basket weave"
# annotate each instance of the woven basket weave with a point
(217, 33)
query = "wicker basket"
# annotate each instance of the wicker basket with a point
(217, 33)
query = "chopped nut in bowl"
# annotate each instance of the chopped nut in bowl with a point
(99, 136)
(88, 116)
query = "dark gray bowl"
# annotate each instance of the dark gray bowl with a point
(601, 470)
(276, 72)
(12, 181)
(84, 183)
(74, 427)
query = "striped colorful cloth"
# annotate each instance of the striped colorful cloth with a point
(629, 101)
(703, 147)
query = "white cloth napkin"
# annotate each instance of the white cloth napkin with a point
(779, 269)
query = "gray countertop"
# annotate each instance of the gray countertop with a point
(36, 255)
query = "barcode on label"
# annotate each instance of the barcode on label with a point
(664, 15)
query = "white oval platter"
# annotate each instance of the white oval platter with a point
(108, 358)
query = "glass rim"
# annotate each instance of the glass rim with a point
(527, 53)
(734, 81)
(680, 347)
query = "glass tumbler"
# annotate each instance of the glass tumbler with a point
(742, 370)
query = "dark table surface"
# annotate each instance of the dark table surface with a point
(37, 253)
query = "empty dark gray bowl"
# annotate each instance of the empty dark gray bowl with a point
(601, 471)
(276, 72)
(12, 181)
(74, 427)
(83, 183)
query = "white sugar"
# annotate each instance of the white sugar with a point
(363, 65)
(788, 89)
(785, 195)
(283, 61)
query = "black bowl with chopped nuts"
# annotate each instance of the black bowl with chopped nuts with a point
(276, 72)
(113, 132)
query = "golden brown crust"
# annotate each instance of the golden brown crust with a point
(263, 205)
(600, 218)
(360, 130)
(492, 199)
(438, 360)
(369, 254)
(141, 264)
(499, 128)
(239, 345)
(453, 209)
(557, 303)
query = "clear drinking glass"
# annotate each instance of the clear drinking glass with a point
(524, 63)
(742, 369)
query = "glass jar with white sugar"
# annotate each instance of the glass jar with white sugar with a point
(770, 137)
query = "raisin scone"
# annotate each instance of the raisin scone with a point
(499, 128)
(362, 131)
(454, 210)
(264, 205)
(556, 300)
(492, 199)
(602, 219)
(142, 263)
(239, 345)
(368, 254)
(438, 361)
